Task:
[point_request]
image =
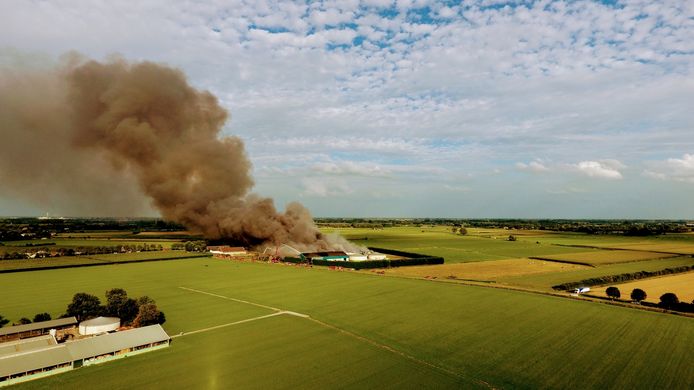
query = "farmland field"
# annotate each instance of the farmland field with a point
(547, 280)
(364, 330)
(92, 259)
(670, 247)
(601, 257)
(486, 270)
(682, 285)
(454, 248)
(77, 242)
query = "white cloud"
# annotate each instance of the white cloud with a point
(534, 166)
(678, 169)
(324, 187)
(603, 169)
(352, 168)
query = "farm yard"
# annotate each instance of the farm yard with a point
(379, 331)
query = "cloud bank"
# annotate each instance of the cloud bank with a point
(457, 90)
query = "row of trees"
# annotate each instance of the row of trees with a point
(138, 312)
(459, 230)
(24, 320)
(12, 229)
(44, 252)
(190, 246)
(625, 227)
(668, 301)
(601, 280)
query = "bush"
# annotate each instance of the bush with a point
(638, 295)
(84, 306)
(42, 317)
(669, 301)
(613, 292)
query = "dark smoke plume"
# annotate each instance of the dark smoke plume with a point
(90, 132)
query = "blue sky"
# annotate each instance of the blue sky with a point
(574, 109)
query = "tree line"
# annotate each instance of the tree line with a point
(138, 312)
(190, 246)
(44, 252)
(668, 301)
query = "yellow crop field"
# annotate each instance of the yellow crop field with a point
(485, 270)
(681, 284)
(601, 257)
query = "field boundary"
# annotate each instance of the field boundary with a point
(231, 299)
(278, 313)
(564, 261)
(227, 325)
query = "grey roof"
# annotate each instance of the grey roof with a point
(26, 345)
(48, 357)
(38, 325)
(80, 349)
(100, 321)
(111, 342)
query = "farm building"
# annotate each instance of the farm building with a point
(48, 358)
(227, 251)
(342, 256)
(331, 256)
(99, 325)
(36, 329)
(366, 256)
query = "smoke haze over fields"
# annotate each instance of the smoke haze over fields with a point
(107, 136)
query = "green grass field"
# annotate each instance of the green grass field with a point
(372, 331)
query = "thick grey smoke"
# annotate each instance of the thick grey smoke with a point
(90, 133)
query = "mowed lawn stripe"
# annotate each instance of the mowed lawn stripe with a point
(483, 333)
(282, 352)
(330, 326)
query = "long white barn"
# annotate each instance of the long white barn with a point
(24, 361)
